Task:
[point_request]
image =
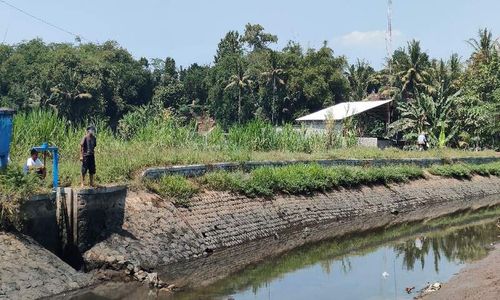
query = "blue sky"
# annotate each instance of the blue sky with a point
(189, 30)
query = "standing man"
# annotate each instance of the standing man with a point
(87, 146)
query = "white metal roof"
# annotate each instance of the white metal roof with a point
(343, 110)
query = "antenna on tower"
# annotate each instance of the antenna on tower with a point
(388, 38)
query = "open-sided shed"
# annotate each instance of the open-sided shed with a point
(345, 110)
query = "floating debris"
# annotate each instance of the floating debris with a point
(385, 274)
(431, 287)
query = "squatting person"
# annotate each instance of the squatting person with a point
(35, 164)
(87, 157)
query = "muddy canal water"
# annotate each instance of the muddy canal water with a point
(371, 265)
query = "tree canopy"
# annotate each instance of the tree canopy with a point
(248, 79)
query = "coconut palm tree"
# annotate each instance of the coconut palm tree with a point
(411, 68)
(273, 77)
(241, 82)
(359, 75)
(483, 46)
(445, 76)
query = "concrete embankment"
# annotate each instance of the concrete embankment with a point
(29, 271)
(159, 237)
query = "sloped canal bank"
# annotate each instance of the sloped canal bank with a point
(221, 233)
(377, 264)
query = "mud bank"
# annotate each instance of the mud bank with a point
(481, 280)
(234, 230)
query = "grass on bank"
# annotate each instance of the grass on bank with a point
(293, 179)
(175, 187)
(306, 179)
(466, 170)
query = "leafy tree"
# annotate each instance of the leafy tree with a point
(228, 46)
(256, 38)
(323, 79)
(194, 80)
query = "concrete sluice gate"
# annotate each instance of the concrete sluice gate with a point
(70, 221)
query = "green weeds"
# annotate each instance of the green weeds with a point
(149, 138)
(174, 187)
(16, 187)
(304, 179)
(466, 171)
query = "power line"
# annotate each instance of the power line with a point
(77, 36)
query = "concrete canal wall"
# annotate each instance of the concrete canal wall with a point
(157, 235)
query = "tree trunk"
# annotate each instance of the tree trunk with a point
(273, 102)
(239, 105)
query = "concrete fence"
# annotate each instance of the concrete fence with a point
(200, 169)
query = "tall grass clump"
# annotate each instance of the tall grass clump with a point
(38, 126)
(15, 188)
(258, 135)
(175, 187)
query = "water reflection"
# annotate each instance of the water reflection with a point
(462, 245)
(352, 267)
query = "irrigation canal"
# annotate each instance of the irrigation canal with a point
(380, 264)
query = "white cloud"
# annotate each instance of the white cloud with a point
(374, 38)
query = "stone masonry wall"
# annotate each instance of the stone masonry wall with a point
(157, 234)
(40, 221)
(29, 271)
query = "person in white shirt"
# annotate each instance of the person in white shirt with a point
(422, 142)
(35, 164)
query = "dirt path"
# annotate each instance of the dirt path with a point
(481, 280)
